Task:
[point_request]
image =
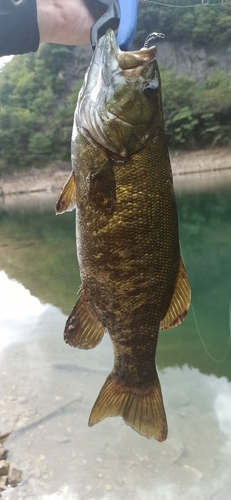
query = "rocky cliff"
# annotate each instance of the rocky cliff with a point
(190, 60)
(184, 59)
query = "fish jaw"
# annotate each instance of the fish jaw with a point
(112, 110)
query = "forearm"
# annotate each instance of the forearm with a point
(36, 21)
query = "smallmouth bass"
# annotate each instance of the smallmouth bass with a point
(133, 279)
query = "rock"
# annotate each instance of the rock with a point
(197, 472)
(63, 439)
(108, 487)
(37, 473)
(3, 436)
(3, 483)
(22, 400)
(3, 452)
(4, 467)
(183, 59)
(14, 476)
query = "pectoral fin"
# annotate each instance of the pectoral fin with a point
(83, 329)
(67, 199)
(102, 189)
(180, 301)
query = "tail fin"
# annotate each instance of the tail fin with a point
(141, 406)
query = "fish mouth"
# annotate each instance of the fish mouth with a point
(126, 61)
(95, 109)
(109, 59)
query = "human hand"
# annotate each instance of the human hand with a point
(64, 21)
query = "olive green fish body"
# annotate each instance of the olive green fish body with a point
(127, 234)
(129, 258)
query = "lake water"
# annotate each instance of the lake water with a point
(47, 389)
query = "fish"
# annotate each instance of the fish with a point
(133, 279)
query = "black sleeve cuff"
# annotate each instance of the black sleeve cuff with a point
(19, 31)
(96, 8)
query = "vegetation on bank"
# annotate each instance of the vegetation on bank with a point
(197, 115)
(36, 109)
(36, 112)
(204, 24)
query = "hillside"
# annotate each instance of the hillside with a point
(38, 92)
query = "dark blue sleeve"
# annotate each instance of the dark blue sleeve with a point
(19, 31)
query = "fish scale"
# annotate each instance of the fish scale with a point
(133, 279)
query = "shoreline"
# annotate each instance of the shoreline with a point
(193, 164)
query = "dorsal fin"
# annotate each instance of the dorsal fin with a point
(67, 199)
(180, 301)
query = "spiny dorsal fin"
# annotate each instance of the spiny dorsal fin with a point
(83, 329)
(67, 199)
(180, 301)
(141, 406)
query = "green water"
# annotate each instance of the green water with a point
(47, 388)
(38, 250)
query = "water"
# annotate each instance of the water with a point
(47, 388)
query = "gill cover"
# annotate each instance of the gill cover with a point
(114, 110)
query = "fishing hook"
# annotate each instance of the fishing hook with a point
(151, 37)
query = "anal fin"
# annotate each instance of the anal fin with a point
(141, 406)
(180, 301)
(83, 329)
(67, 199)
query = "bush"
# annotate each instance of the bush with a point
(197, 115)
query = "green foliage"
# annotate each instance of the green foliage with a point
(204, 24)
(178, 95)
(37, 107)
(180, 128)
(32, 123)
(197, 115)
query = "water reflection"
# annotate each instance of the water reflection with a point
(46, 400)
(49, 388)
(38, 249)
(19, 311)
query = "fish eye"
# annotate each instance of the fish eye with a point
(150, 89)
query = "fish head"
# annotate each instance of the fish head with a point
(120, 105)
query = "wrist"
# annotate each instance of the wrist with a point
(46, 19)
(64, 21)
